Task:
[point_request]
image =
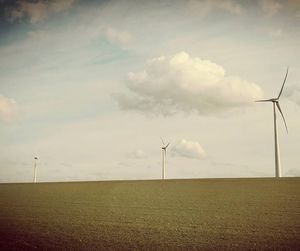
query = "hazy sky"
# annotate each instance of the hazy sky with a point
(89, 86)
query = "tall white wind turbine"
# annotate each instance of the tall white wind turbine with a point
(275, 102)
(35, 168)
(164, 156)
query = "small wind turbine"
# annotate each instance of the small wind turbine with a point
(35, 168)
(275, 102)
(164, 156)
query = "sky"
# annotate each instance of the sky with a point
(90, 86)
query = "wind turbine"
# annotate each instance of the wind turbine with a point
(164, 156)
(275, 102)
(35, 168)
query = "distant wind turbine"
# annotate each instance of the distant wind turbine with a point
(275, 102)
(35, 169)
(164, 156)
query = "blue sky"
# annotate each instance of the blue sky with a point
(89, 86)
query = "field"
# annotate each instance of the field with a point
(199, 214)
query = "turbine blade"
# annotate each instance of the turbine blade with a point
(162, 140)
(287, 71)
(167, 145)
(264, 100)
(278, 106)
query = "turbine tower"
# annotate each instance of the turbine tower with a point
(164, 156)
(35, 168)
(275, 102)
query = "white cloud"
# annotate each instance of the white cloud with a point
(270, 7)
(138, 154)
(40, 10)
(293, 93)
(117, 36)
(183, 83)
(188, 149)
(8, 109)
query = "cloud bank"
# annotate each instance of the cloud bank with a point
(38, 11)
(138, 154)
(183, 83)
(188, 149)
(8, 109)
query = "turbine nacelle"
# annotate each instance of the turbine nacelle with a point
(268, 100)
(164, 146)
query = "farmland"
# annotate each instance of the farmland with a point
(196, 214)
